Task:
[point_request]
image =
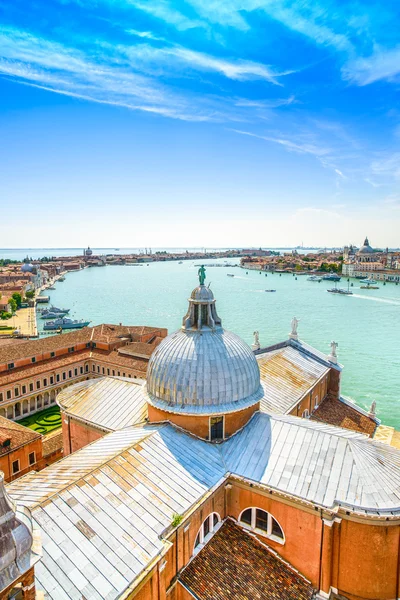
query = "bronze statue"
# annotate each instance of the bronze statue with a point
(202, 274)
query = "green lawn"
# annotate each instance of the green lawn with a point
(44, 421)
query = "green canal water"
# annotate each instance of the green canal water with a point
(365, 325)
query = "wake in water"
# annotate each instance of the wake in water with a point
(384, 300)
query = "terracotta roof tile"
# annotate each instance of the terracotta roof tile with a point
(336, 412)
(105, 333)
(235, 566)
(46, 366)
(52, 443)
(16, 433)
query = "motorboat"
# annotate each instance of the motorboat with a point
(54, 309)
(368, 281)
(331, 277)
(49, 314)
(230, 275)
(270, 290)
(314, 278)
(64, 323)
(369, 287)
(340, 291)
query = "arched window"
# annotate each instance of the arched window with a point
(262, 522)
(209, 526)
(305, 414)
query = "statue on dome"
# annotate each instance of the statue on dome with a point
(256, 343)
(295, 324)
(202, 274)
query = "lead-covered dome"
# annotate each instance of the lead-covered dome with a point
(202, 368)
(365, 248)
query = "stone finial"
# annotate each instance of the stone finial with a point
(372, 410)
(333, 355)
(256, 343)
(293, 335)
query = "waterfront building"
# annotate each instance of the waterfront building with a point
(32, 373)
(203, 484)
(366, 260)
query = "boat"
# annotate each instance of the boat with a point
(369, 287)
(62, 278)
(368, 281)
(331, 277)
(49, 314)
(314, 278)
(51, 287)
(230, 275)
(180, 262)
(340, 291)
(270, 290)
(54, 309)
(65, 323)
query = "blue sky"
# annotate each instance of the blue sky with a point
(199, 123)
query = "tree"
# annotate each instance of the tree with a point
(30, 294)
(5, 315)
(13, 305)
(18, 298)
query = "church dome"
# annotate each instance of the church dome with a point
(365, 248)
(202, 368)
(27, 267)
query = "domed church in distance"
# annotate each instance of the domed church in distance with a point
(231, 473)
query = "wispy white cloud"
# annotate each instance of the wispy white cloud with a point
(145, 34)
(339, 172)
(165, 11)
(383, 64)
(290, 145)
(387, 166)
(265, 104)
(125, 75)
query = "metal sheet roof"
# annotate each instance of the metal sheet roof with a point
(324, 465)
(103, 510)
(287, 374)
(111, 403)
(102, 523)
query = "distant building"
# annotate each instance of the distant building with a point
(256, 252)
(87, 252)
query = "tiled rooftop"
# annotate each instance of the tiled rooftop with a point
(234, 566)
(336, 412)
(16, 433)
(100, 333)
(52, 442)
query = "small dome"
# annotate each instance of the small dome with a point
(202, 294)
